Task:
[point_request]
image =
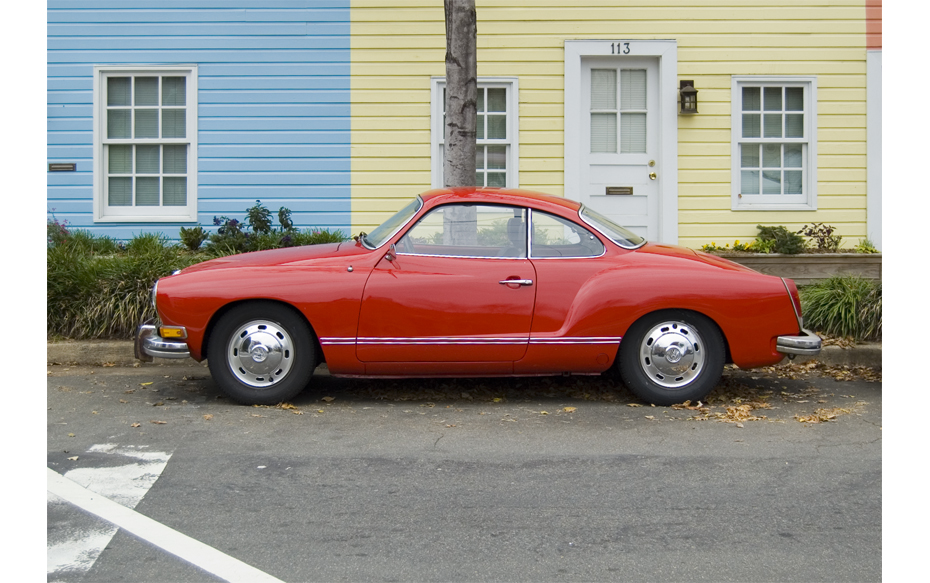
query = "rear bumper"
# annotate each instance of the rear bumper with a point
(149, 344)
(805, 344)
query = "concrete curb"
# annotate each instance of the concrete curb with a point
(119, 353)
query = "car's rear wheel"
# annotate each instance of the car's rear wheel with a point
(261, 353)
(672, 356)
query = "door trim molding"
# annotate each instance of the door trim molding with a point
(666, 51)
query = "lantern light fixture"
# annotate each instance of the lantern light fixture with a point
(688, 97)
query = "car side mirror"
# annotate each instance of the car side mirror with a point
(392, 253)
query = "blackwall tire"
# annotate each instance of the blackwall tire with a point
(261, 353)
(672, 356)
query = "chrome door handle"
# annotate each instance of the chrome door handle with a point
(516, 281)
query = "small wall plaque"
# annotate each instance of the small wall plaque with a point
(69, 167)
(619, 190)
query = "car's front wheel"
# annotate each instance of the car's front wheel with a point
(261, 353)
(672, 356)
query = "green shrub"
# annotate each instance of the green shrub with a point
(865, 246)
(823, 236)
(785, 241)
(845, 306)
(193, 238)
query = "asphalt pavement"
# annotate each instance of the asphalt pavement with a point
(777, 477)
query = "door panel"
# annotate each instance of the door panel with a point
(420, 308)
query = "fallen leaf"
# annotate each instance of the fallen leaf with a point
(328, 399)
(136, 425)
(70, 435)
(145, 384)
(74, 459)
(160, 422)
(633, 405)
(650, 417)
(570, 409)
(207, 417)
(544, 412)
(123, 401)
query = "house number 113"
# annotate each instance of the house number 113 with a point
(619, 48)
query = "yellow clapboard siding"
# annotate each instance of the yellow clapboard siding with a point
(399, 45)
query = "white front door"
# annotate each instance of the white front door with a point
(620, 140)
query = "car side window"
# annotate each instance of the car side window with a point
(554, 236)
(468, 230)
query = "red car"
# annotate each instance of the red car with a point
(477, 282)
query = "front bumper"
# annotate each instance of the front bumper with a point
(805, 344)
(149, 344)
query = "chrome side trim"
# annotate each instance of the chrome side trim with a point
(465, 340)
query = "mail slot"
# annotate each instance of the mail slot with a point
(619, 190)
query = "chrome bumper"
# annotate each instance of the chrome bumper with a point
(149, 344)
(807, 344)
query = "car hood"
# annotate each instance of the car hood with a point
(683, 253)
(307, 254)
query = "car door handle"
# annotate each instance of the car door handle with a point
(516, 281)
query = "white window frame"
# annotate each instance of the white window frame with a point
(102, 212)
(808, 199)
(437, 131)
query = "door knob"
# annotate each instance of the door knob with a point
(652, 176)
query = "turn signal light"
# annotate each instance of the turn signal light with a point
(172, 332)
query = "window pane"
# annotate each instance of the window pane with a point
(752, 125)
(118, 123)
(556, 237)
(497, 179)
(119, 191)
(794, 125)
(771, 156)
(479, 178)
(147, 191)
(603, 89)
(794, 98)
(146, 91)
(146, 123)
(633, 132)
(479, 157)
(118, 90)
(147, 159)
(772, 99)
(751, 99)
(749, 182)
(173, 91)
(633, 89)
(771, 182)
(497, 99)
(175, 191)
(120, 159)
(749, 156)
(175, 160)
(772, 125)
(793, 153)
(480, 134)
(497, 127)
(480, 105)
(604, 132)
(497, 157)
(173, 123)
(793, 182)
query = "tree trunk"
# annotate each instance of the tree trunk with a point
(461, 117)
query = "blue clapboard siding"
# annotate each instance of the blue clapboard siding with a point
(273, 101)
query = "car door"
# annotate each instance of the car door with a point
(458, 287)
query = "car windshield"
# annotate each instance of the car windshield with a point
(623, 237)
(389, 227)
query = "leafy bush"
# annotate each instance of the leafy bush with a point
(193, 238)
(785, 241)
(865, 246)
(845, 306)
(823, 236)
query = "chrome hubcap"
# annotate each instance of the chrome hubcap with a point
(260, 353)
(672, 354)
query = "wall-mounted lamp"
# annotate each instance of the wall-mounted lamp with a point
(688, 97)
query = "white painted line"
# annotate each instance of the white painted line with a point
(176, 543)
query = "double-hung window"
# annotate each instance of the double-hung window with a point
(774, 143)
(145, 144)
(496, 154)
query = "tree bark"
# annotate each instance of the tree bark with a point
(460, 130)
(461, 93)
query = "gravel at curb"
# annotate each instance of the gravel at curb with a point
(119, 353)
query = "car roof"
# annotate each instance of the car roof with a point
(499, 196)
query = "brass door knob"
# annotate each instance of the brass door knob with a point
(652, 176)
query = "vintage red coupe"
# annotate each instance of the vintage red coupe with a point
(477, 282)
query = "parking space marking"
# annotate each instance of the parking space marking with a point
(191, 550)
